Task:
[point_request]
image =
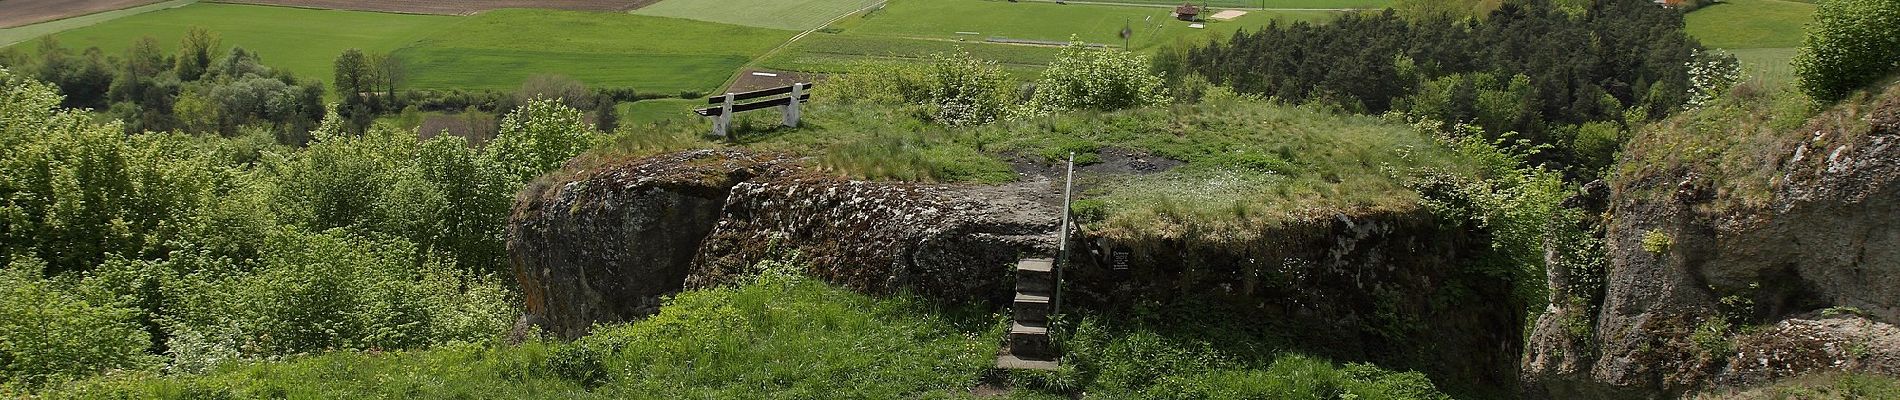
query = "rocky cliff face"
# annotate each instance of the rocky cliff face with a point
(608, 245)
(1699, 296)
(1393, 288)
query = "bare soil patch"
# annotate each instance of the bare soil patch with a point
(450, 7)
(15, 13)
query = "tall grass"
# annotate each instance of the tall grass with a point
(1739, 145)
(782, 336)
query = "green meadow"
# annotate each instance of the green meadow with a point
(911, 29)
(1050, 21)
(776, 14)
(304, 41)
(493, 50)
(1750, 24)
(1293, 4)
(1763, 34)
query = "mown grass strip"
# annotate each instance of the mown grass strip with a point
(775, 14)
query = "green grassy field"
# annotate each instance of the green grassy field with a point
(838, 53)
(1048, 21)
(1773, 66)
(1296, 4)
(498, 49)
(493, 50)
(776, 14)
(1750, 24)
(910, 29)
(304, 41)
(1763, 34)
(656, 110)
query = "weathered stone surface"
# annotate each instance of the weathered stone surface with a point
(1395, 288)
(1830, 237)
(945, 242)
(606, 247)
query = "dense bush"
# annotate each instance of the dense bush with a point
(203, 89)
(1851, 44)
(49, 335)
(966, 91)
(1096, 79)
(955, 89)
(1532, 67)
(201, 250)
(315, 292)
(537, 138)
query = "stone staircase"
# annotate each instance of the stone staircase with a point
(1029, 346)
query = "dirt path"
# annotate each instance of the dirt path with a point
(14, 13)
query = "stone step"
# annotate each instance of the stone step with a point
(1029, 328)
(1036, 265)
(1031, 297)
(1031, 345)
(1041, 284)
(1012, 361)
(1030, 312)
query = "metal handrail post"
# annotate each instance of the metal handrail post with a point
(1062, 236)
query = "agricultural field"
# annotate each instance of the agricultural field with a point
(909, 29)
(303, 41)
(14, 13)
(492, 50)
(1269, 4)
(1763, 34)
(499, 49)
(9, 36)
(775, 14)
(453, 7)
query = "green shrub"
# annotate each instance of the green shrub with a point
(954, 89)
(327, 291)
(538, 138)
(1657, 242)
(1096, 79)
(1711, 337)
(1596, 144)
(1710, 74)
(1852, 43)
(966, 91)
(47, 335)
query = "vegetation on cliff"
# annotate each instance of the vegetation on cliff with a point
(791, 337)
(178, 252)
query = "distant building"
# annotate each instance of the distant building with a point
(1187, 12)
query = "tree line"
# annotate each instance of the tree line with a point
(1570, 77)
(201, 88)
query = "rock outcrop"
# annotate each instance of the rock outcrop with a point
(1394, 288)
(1815, 272)
(609, 244)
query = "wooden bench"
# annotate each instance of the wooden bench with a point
(785, 98)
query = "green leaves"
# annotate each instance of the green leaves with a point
(1084, 78)
(538, 138)
(1852, 43)
(50, 335)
